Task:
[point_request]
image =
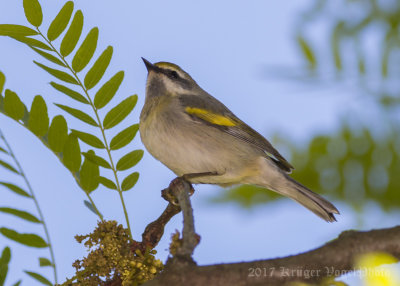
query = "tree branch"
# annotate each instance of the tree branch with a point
(190, 239)
(155, 230)
(332, 259)
(177, 194)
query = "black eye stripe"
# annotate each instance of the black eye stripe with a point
(174, 74)
(171, 74)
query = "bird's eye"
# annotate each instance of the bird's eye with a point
(174, 74)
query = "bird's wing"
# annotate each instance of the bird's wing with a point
(209, 110)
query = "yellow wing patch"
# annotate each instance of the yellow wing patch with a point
(210, 116)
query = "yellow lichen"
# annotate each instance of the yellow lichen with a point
(176, 242)
(111, 257)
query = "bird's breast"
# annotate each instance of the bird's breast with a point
(187, 146)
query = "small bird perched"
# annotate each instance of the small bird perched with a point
(198, 137)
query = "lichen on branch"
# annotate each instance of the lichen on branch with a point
(112, 258)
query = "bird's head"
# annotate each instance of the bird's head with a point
(167, 79)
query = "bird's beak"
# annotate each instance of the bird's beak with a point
(149, 65)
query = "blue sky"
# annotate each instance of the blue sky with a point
(225, 46)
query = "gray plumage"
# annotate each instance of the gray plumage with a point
(190, 131)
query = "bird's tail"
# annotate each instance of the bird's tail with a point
(301, 194)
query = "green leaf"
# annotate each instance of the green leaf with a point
(13, 106)
(361, 64)
(1, 103)
(15, 189)
(124, 137)
(307, 51)
(58, 74)
(43, 262)
(8, 166)
(97, 71)
(2, 81)
(71, 93)
(33, 12)
(96, 159)
(3, 150)
(385, 59)
(129, 160)
(4, 261)
(61, 21)
(89, 175)
(21, 214)
(336, 43)
(89, 139)
(119, 112)
(3, 273)
(58, 133)
(16, 30)
(108, 90)
(38, 119)
(5, 256)
(28, 239)
(49, 57)
(17, 283)
(32, 42)
(25, 119)
(72, 153)
(130, 181)
(78, 114)
(107, 183)
(91, 208)
(39, 278)
(73, 34)
(86, 50)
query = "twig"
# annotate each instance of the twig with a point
(190, 238)
(155, 230)
(177, 194)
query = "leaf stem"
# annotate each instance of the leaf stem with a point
(31, 192)
(72, 173)
(100, 124)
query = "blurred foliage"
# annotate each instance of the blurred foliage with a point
(355, 163)
(349, 41)
(352, 165)
(364, 44)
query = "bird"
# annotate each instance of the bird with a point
(199, 138)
